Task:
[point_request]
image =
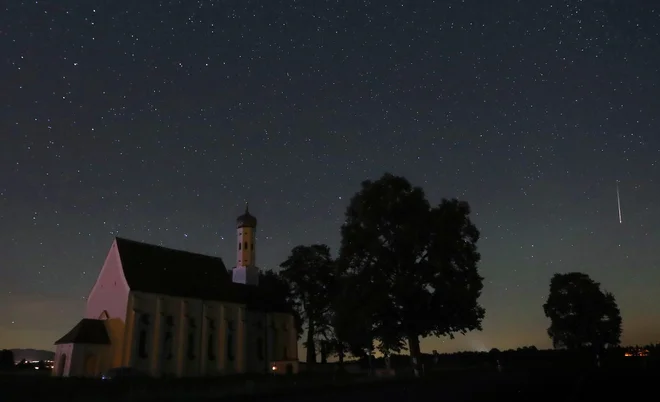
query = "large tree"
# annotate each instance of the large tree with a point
(353, 312)
(310, 271)
(581, 314)
(416, 263)
(6, 359)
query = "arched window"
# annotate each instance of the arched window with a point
(260, 348)
(191, 339)
(230, 341)
(168, 343)
(142, 344)
(245, 244)
(142, 336)
(239, 245)
(61, 365)
(210, 347)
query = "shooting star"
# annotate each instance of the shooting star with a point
(618, 201)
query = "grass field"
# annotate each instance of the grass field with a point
(573, 384)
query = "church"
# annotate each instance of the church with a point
(167, 312)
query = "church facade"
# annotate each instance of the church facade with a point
(167, 312)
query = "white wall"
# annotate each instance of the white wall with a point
(158, 308)
(110, 292)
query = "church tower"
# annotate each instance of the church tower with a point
(246, 271)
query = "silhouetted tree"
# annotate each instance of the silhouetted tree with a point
(581, 314)
(417, 262)
(6, 359)
(277, 288)
(353, 311)
(310, 271)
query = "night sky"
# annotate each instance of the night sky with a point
(158, 120)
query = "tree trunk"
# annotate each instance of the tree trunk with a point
(324, 352)
(311, 346)
(415, 353)
(371, 362)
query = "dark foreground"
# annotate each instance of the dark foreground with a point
(536, 385)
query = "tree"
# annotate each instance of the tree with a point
(275, 287)
(6, 359)
(310, 271)
(581, 314)
(416, 263)
(353, 312)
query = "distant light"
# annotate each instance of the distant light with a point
(274, 368)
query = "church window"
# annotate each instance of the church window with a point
(210, 349)
(191, 346)
(167, 346)
(239, 246)
(210, 352)
(252, 246)
(168, 342)
(191, 338)
(260, 348)
(142, 336)
(142, 344)
(245, 245)
(230, 341)
(230, 347)
(273, 336)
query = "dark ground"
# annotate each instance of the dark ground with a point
(532, 385)
(537, 386)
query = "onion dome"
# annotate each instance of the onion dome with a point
(246, 220)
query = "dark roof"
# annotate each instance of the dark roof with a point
(88, 331)
(246, 220)
(154, 269)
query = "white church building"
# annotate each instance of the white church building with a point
(169, 312)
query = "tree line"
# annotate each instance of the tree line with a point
(407, 269)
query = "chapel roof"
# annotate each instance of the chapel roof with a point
(87, 331)
(160, 270)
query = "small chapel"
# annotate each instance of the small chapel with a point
(167, 312)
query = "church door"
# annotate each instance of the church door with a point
(61, 365)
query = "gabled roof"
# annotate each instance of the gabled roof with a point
(160, 270)
(155, 269)
(89, 331)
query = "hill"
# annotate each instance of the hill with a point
(32, 354)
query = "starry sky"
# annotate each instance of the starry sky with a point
(158, 120)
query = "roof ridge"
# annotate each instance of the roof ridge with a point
(142, 243)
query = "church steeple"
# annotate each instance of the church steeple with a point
(246, 271)
(246, 220)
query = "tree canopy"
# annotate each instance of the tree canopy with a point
(413, 266)
(581, 314)
(6, 359)
(310, 272)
